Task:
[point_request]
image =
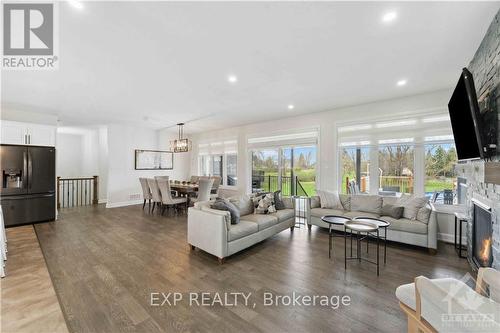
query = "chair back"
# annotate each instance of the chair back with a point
(204, 189)
(146, 192)
(194, 179)
(216, 184)
(166, 194)
(155, 191)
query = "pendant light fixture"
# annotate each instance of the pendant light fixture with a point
(181, 145)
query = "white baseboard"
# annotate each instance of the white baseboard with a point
(450, 238)
(124, 203)
(103, 201)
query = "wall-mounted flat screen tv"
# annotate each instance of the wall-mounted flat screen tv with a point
(466, 119)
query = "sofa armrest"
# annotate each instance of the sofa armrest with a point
(432, 230)
(207, 230)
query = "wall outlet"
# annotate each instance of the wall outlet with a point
(136, 196)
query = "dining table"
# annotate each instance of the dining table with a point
(184, 189)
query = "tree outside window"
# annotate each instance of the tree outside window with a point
(440, 160)
(395, 164)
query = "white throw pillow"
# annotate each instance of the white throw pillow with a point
(330, 200)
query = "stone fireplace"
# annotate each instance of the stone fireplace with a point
(482, 232)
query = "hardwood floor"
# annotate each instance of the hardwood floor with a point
(106, 262)
(29, 302)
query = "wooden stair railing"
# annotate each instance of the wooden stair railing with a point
(79, 191)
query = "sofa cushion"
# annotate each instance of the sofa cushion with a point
(329, 199)
(288, 202)
(366, 203)
(345, 200)
(242, 229)
(354, 214)
(320, 212)
(412, 205)
(392, 211)
(244, 203)
(263, 221)
(406, 225)
(283, 214)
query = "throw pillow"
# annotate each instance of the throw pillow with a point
(244, 204)
(345, 200)
(330, 200)
(366, 203)
(222, 204)
(278, 203)
(315, 202)
(264, 204)
(396, 212)
(423, 215)
(411, 205)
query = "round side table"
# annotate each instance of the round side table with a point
(358, 228)
(333, 220)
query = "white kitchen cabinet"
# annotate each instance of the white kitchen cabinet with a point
(13, 133)
(19, 133)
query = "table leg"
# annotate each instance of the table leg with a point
(385, 245)
(367, 242)
(455, 235)
(378, 240)
(358, 248)
(345, 248)
(351, 243)
(329, 241)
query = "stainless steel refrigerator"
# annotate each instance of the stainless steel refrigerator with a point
(27, 194)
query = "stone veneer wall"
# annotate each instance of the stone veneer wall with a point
(485, 67)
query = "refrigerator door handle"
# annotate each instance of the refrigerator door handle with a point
(30, 169)
(25, 169)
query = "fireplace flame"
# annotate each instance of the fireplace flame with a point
(484, 253)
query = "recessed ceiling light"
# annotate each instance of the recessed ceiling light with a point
(401, 83)
(75, 3)
(232, 79)
(291, 107)
(389, 17)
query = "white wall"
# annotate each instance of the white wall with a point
(82, 152)
(69, 155)
(123, 180)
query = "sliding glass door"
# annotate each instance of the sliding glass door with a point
(289, 169)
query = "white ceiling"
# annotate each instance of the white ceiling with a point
(155, 64)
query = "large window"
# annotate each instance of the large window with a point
(355, 169)
(396, 169)
(219, 159)
(289, 169)
(440, 160)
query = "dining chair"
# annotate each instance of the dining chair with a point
(166, 196)
(204, 189)
(146, 192)
(215, 187)
(174, 193)
(155, 193)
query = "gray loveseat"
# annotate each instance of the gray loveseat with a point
(211, 230)
(421, 231)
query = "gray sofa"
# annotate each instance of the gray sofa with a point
(421, 232)
(211, 230)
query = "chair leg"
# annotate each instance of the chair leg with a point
(154, 204)
(149, 206)
(163, 210)
(144, 204)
